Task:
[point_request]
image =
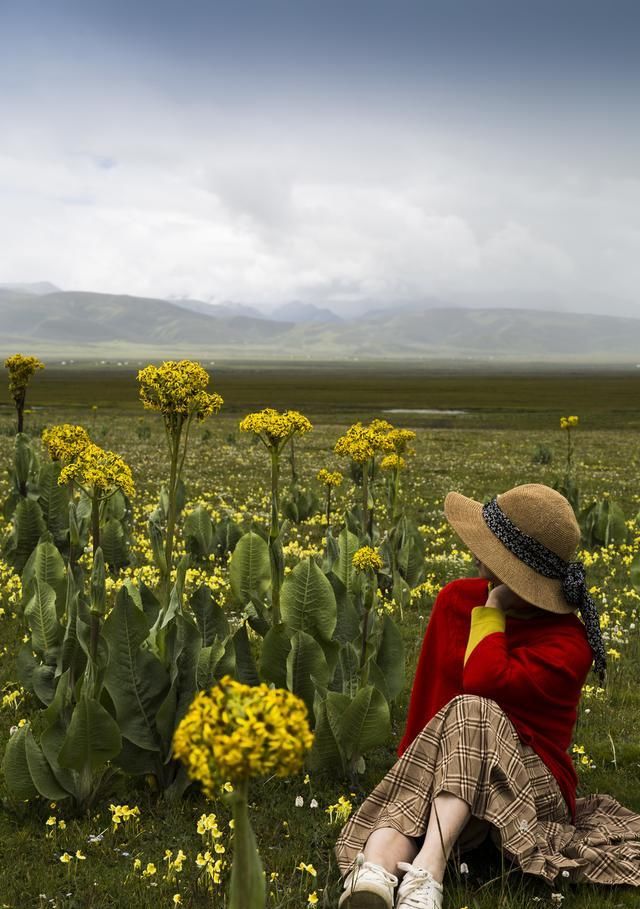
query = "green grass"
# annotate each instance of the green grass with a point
(476, 458)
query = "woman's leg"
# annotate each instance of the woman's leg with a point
(447, 819)
(387, 847)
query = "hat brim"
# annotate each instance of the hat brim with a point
(465, 516)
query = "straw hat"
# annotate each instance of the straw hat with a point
(538, 511)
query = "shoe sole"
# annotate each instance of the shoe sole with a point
(364, 900)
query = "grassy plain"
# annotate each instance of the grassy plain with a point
(478, 453)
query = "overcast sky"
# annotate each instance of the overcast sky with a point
(324, 150)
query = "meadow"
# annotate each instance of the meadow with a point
(104, 857)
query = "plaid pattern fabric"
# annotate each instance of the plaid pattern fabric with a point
(471, 749)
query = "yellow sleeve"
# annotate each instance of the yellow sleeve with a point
(484, 621)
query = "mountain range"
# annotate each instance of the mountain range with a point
(52, 323)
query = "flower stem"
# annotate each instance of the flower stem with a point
(171, 514)
(247, 886)
(275, 556)
(365, 497)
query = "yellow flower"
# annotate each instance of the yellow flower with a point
(361, 443)
(178, 390)
(150, 870)
(51, 822)
(65, 441)
(340, 811)
(93, 466)
(65, 858)
(80, 856)
(329, 478)
(236, 731)
(177, 899)
(275, 428)
(308, 868)
(568, 422)
(312, 898)
(397, 441)
(21, 369)
(366, 558)
(392, 462)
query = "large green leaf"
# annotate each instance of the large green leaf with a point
(135, 679)
(28, 528)
(348, 544)
(347, 674)
(249, 568)
(40, 614)
(208, 660)
(53, 499)
(245, 663)
(273, 657)
(93, 737)
(225, 538)
(365, 723)
(306, 662)
(44, 682)
(211, 619)
(41, 773)
(197, 532)
(46, 564)
(326, 753)
(307, 601)
(113, 541)
(16, 768)
(390, 657)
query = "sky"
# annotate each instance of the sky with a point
(343, 153)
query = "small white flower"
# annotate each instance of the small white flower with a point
(299, 801)
(588, 710)
(313, 803)
(13, 730)
(464, 868)
(557, 898)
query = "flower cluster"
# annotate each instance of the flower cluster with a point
(122, 813)
(340, 811)
(397, 441)
(568, 422)
(178, 388)
(93, 466)
(367, 558)
(237, 731)
(361, 443)
(21, 369)
(329, 478)
(276, 428)
(393, 462)
(65, 441)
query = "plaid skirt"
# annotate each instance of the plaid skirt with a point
(471, 749)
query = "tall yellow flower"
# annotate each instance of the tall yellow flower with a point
(235, 731)
(100, 469)
(329, 478)
(178, 388)
(65, 441)
(21, 369)
(275, 428)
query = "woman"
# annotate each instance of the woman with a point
(491, 716)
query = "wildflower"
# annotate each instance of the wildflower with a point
(65, 441)
(393, 462)
(93, 466)
(150, 870)
(65, 858)
(367, 558)
(62, 825)
(122, 813)
(312, 898)
(178, 390)
(340, 811)
(177, 899)
(275, 428)
(329, 478)
(614, 654)
(51, 821)
(299, 801)
(361, 443)
(236, 731)
(313, 803)
(21, 369)
(80, 856)
(308, 868)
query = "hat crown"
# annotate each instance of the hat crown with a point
(544, 514)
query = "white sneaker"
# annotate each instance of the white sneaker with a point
(418, 889)
(368, 886)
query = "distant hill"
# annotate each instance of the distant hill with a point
(87, 325)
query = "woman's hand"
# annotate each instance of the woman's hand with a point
(502, 597)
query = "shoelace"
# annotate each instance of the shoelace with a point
(378, 870)
(413, 883)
